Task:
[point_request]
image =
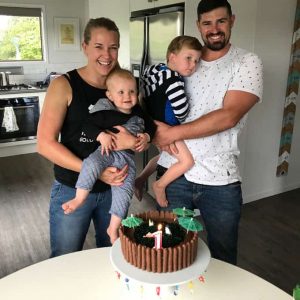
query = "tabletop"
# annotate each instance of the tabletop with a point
(89, 275)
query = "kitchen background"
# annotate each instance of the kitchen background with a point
(56, 61)
(264, 27)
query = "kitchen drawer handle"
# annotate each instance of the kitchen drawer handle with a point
(25, 106)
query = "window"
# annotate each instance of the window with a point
(20, 34)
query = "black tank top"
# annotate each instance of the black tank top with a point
(83, 95)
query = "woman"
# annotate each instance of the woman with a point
(64, 112)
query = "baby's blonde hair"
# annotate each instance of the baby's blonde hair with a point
(121, 73)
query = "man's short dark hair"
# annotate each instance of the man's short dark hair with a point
(208, 5)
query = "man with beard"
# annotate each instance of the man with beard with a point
(226, 85)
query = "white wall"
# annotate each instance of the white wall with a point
(59, 61)
(266, 28)
(273, 37)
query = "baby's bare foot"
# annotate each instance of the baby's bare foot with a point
(160, 194)
(67, 208)
(70, 206)
(139, 188)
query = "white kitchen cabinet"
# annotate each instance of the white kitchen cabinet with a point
(141, 4)
(146, 4)
(41, 99)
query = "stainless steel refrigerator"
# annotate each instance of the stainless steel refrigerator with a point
(151, 31)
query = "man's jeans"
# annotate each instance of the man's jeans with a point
(220, 208)
(68, 232)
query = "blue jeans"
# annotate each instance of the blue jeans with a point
(68, 232)
(220, 208)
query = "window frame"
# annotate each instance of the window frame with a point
(43, 35)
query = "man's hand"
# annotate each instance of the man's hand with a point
(123, 139)
(106, 142)
(163, 136)
(114, 176)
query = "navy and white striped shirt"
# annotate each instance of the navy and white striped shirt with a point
(164, 94)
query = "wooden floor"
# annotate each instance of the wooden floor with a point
(269, 239)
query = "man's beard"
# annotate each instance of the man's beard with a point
(218, 45)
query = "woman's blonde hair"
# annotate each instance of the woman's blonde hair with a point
(100, 23)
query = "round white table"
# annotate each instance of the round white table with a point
(89, 275)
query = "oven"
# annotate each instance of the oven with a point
(19, 118)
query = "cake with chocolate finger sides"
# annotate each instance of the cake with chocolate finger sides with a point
(160, 241)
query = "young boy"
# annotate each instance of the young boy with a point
(119, 109)
(165, 101)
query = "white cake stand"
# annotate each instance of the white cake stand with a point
(161, 279)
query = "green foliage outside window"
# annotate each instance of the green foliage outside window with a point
(20, 38)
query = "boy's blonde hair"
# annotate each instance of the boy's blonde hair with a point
(181, 41)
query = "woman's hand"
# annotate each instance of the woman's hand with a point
(142, 142)
(114, 176)
(123, 139)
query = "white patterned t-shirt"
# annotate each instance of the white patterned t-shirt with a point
(216, 156)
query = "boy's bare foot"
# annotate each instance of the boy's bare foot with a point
(70, 206)
(160, 194)
(113, 234)
(139, 188)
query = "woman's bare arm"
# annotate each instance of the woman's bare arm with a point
(58, 97)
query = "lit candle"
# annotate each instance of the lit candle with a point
(157, 235)
(157, 239)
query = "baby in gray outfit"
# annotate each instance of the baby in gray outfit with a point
(119, 109)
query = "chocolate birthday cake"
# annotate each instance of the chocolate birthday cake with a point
(176, 249)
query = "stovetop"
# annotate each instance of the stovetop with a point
(17, 87)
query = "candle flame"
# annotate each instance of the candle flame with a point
(167, 230)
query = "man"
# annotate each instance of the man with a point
(226, 85)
